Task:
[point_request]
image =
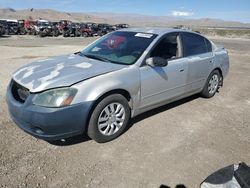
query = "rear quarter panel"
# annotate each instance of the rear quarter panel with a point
(221, 60)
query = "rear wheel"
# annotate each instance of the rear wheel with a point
(212, 84)
(109, 118)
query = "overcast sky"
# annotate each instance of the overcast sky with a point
(235, 10)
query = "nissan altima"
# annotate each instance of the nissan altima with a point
(122, 74)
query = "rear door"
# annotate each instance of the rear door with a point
(198, 52)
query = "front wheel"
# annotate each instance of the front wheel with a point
(109, 118)
(212, 84)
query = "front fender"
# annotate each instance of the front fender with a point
(93, 88)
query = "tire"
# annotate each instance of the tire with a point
(103, 128)
(77, 33)
(65, 35)
(99, 33)
(41, 34)
(23, 32)
(34, 32)
(53, 34)
(84, 34)
(212, 84)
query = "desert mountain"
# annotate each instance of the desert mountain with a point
(112, 18)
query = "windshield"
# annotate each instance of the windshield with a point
(119, 47)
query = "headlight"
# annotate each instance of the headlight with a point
(55, 97)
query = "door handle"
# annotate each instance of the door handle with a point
(181, 70)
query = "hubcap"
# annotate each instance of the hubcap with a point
(111, 119)
(213, 84)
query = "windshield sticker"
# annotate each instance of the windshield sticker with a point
(95, 49)
(144, 35)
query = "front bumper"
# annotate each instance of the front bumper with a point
(48, 123)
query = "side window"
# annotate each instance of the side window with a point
(167, 48)
(209, 45)
(193, 44)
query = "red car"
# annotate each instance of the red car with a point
(86, 31)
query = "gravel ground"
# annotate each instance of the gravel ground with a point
(180, 143)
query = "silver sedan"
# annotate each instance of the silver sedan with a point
(122, 74)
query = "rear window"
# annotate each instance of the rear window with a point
(194, 44)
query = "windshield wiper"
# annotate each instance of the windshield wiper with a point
(92, 56)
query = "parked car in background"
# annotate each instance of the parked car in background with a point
(119, 76)
(43, 28)
(29, 27)
(2, 27)
(66, 28)
(72, 30)
(12, 27)
(86, 30)
(103, 29)
(63, 26)
(55, 29)
(121, 26)
(22, 30)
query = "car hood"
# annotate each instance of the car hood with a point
(61, 71)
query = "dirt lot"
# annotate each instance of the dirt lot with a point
(181, 143)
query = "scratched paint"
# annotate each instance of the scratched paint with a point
(49, 59)
(72, 56)
(83, 65)
(30, 71)
(53, 73)
(61, 71)
(30, 85)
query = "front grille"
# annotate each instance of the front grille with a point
(19, 92)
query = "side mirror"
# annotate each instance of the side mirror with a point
(156, 62)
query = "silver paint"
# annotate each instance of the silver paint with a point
(61, 71)
(148, 87)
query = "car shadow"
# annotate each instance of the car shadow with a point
(71, 141)
(5, 36)
(177, 186)
(84, 138)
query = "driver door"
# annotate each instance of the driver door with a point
(160, 84)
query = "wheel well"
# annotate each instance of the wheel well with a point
(116, 91)
(219, 71)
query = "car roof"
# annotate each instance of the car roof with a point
(154, 30)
